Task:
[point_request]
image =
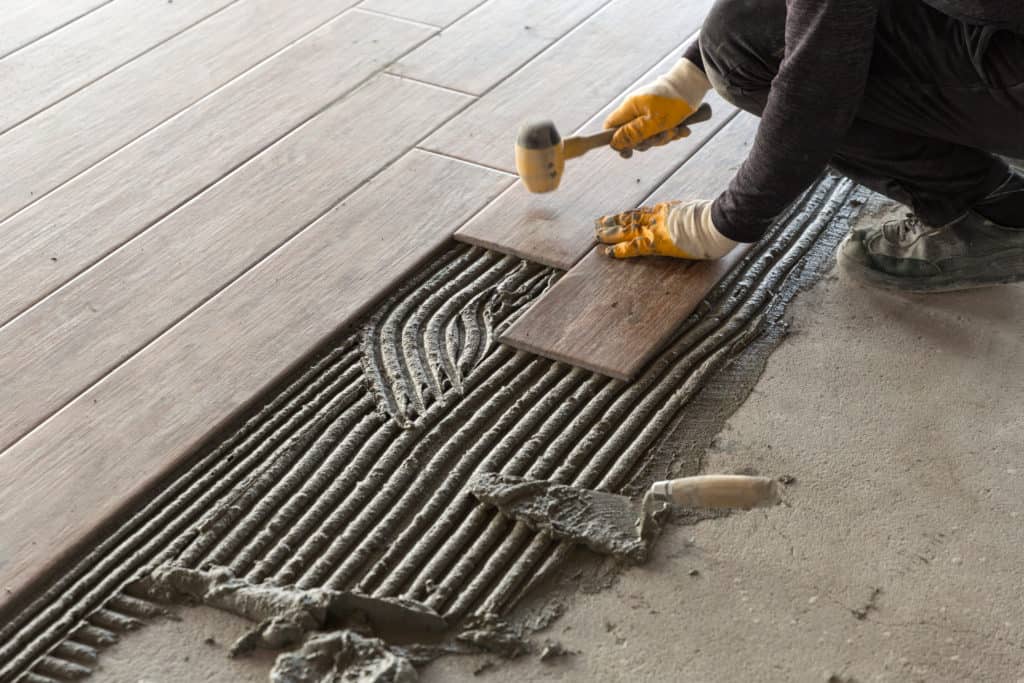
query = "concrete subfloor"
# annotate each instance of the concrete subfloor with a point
(900, 417)
(899, 559)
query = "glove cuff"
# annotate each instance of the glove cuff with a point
(693, 231)
(687, 82)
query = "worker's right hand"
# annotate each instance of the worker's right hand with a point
(650, 116)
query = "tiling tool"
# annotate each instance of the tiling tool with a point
(612, 524)
(541, 152)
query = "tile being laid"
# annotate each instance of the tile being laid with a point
(613, 316)
(556, 228)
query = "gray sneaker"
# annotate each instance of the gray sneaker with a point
(909, 255)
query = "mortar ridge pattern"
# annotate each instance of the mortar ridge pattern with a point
(352, 474)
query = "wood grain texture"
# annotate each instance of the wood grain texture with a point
(709, 172)
(28, 20)
(556, 228)
(141, 289)
(116, 199)
(573, 79)
(100, 454)
(435, 12)
(66, 60)
(82, 129)
(492, 41)
(614, 316)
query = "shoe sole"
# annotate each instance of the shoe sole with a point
(944, 282)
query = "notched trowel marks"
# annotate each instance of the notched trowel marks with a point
(284, 614)
(318, 486)
(424, 341)
(331, 634)
(604, 522)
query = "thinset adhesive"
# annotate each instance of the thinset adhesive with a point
(352, 475)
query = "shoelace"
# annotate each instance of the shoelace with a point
(900, 231)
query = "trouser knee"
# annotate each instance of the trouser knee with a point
(742, 43)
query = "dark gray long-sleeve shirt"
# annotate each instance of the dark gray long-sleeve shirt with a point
(814, 99)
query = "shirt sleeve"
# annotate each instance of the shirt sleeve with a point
(693, 54)
(813, 101)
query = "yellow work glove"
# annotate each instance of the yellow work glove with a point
(678, 229)
(649, 116)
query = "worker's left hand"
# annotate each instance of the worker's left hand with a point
(678, 229)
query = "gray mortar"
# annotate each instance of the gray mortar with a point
(285, 614)
(604, 522)
(348, 656)
(343, 656)
(319, 488)
(414, 353)
(748, 304)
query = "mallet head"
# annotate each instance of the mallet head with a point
(540, 156)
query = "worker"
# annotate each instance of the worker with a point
(915, 99)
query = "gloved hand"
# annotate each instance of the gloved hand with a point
(650, 115)
(679, 229)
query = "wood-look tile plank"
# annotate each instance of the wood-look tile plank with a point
(28, 20)
(72, 338)
(492, 41)
(57, 65)
(435, 12)
(104, 451)
(708, 173)
(54, 239)
(573, 79)
(556, 228)
(82, 129)
(612, 316)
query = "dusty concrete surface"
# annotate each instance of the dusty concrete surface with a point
(192, 649)
(900, 560)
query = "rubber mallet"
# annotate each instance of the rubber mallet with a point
(541, 152)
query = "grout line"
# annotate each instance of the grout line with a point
(118, 364)
(696, 150)
(467, 161)
(467, 13)
(528, 61)
(522, 66)
(432, 85)
(119, 66)
(531, 57)
(396, 17)
(640, 80)
(56, 28)
(181, 112)
(216, 181)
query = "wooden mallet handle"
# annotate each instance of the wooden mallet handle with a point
(580, 145)
(718, 491)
